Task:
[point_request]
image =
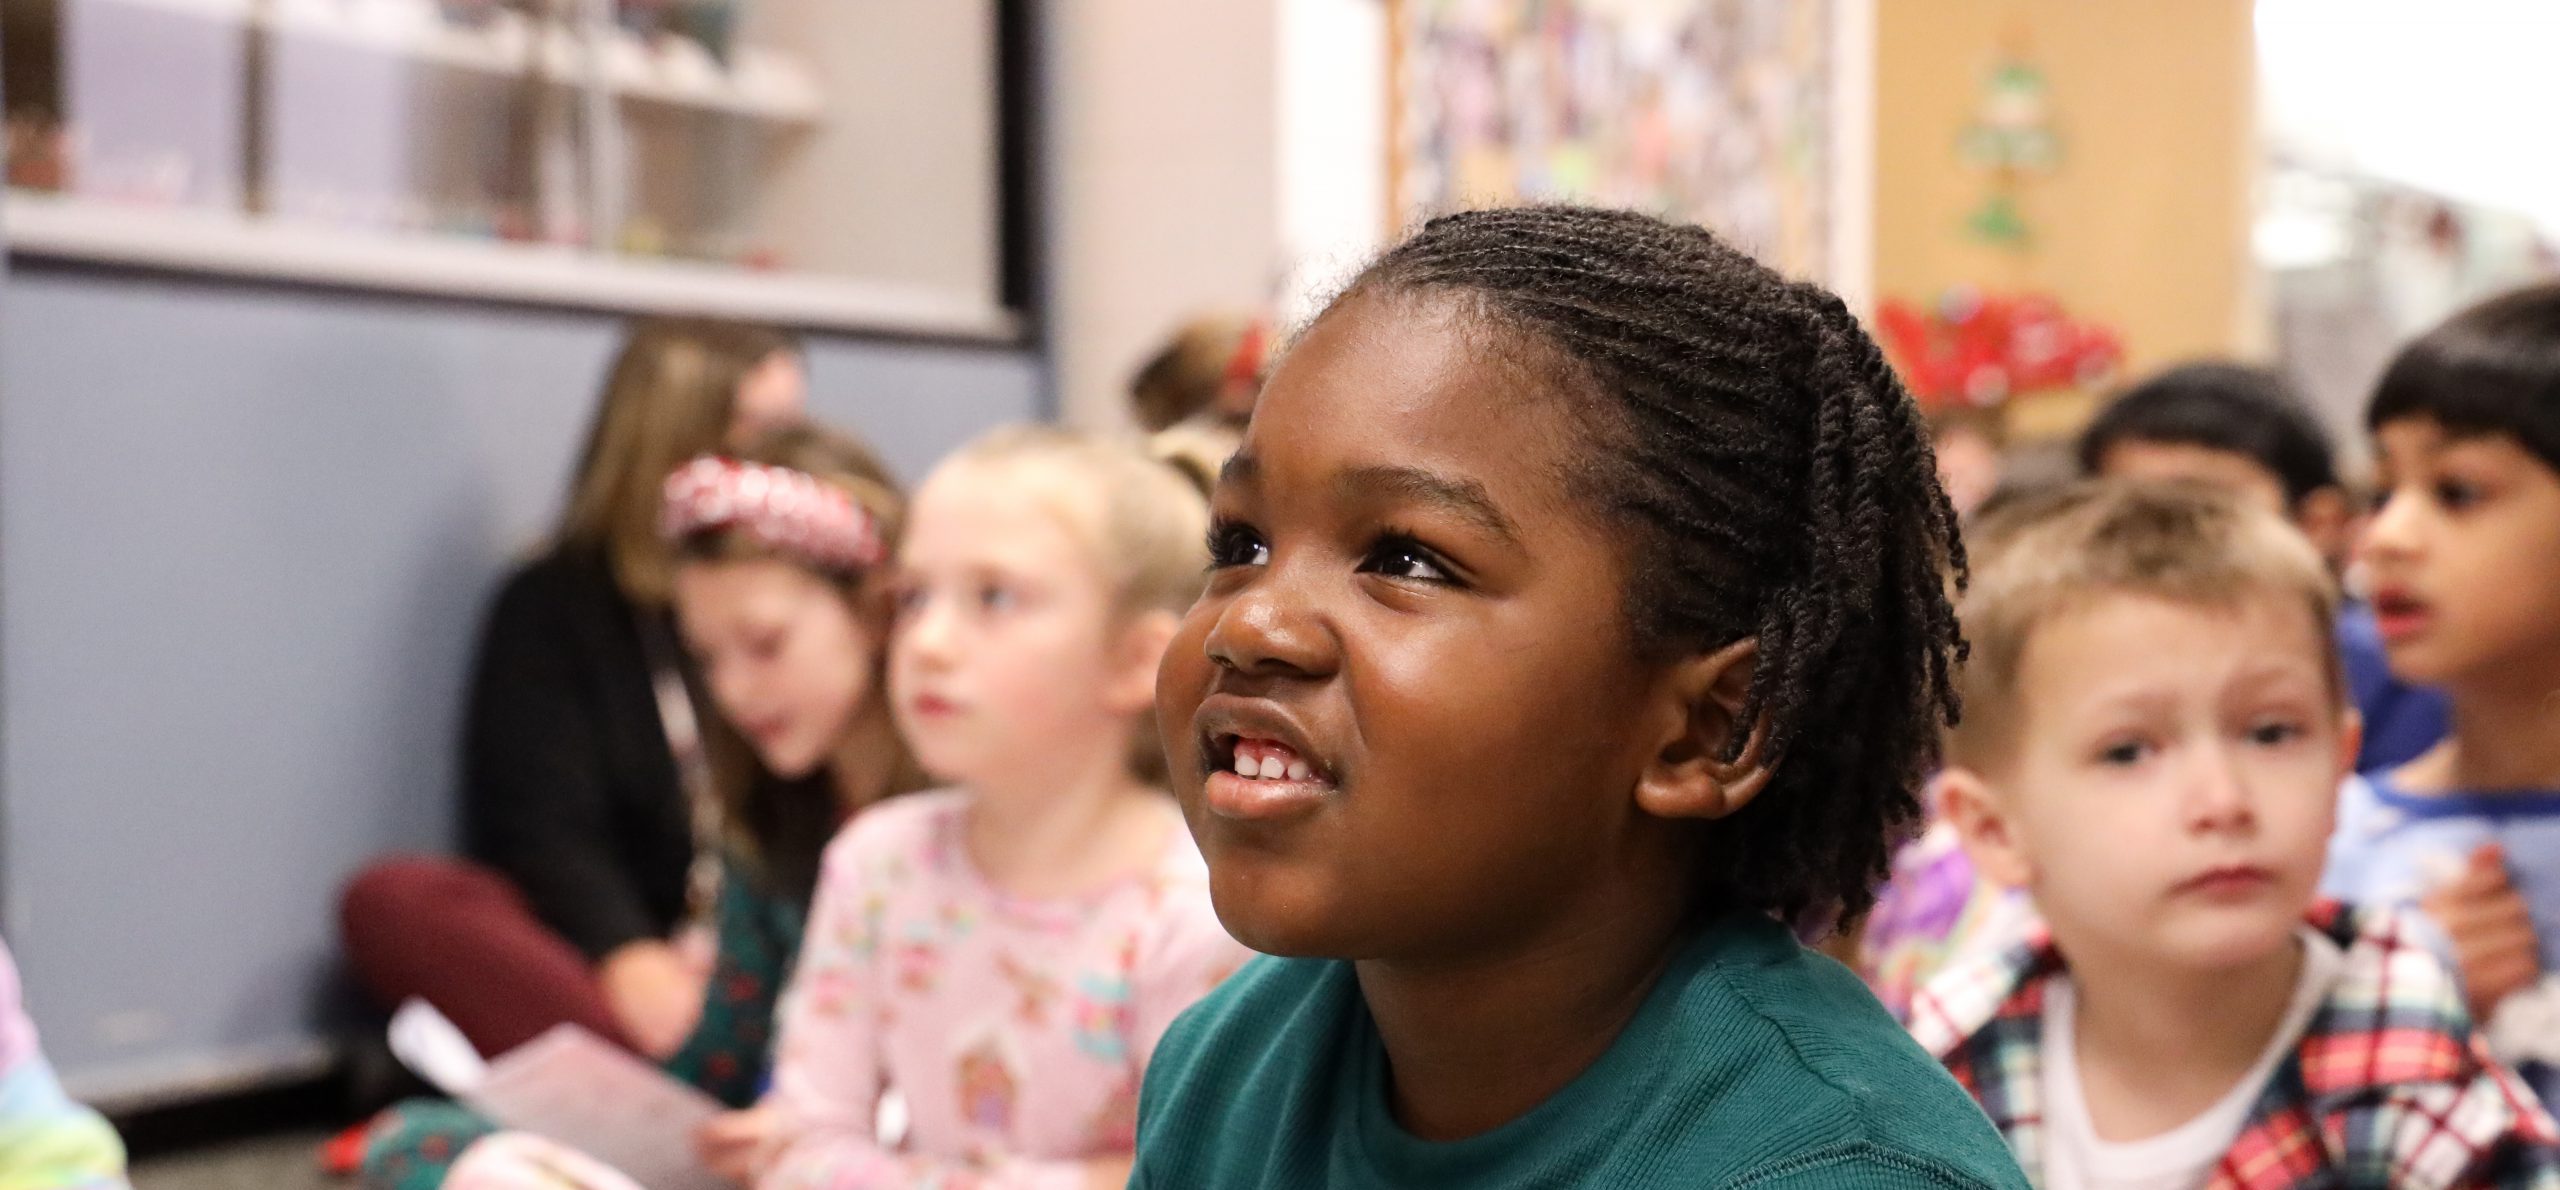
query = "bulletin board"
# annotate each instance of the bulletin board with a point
(1717, 112)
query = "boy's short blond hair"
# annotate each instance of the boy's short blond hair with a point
(2045, 555)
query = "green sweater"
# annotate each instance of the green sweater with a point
(1753, 1063)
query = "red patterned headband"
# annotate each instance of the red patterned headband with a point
(787, 510)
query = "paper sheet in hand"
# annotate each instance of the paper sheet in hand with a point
(573, 1087)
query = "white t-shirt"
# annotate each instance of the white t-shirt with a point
(2183, 1157)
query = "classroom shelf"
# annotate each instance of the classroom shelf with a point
(762, 83)
(827, 163)
(42, 226)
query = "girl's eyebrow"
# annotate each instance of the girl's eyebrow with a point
(1466, 499)
(1240, 468)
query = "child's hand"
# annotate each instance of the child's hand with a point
(1109, 1173)
(737, 1145)
(2491, 930)
(656, 996)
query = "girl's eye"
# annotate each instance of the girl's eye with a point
(2457, 494)
(2124, 753)
(995, 597)
(1402, 557)
(904, 601)
(766, 647)
(1235, 544)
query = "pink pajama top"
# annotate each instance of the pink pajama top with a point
(1013, 1030)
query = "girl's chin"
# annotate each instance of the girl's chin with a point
(791, 764)
(2415, 665)
(1283, 916)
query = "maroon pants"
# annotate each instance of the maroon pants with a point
(462, 938)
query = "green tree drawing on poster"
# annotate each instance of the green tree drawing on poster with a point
(2011, 137)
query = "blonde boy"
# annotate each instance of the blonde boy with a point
(2154, 734)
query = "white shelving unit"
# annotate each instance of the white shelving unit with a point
(53, 227)
(807, 181)
(763, 83)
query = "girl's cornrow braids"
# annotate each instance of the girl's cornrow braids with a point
(1778, 485)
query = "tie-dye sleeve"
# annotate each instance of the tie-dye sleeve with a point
(47, 1142)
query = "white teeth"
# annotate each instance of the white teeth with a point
(1265, 763)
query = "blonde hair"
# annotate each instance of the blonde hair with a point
(1197, 449)
(672, 394)
(1145, 525)
(748, 794)
(2044, 555)
(1148, 526)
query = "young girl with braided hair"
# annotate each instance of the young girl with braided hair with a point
(1577, 622)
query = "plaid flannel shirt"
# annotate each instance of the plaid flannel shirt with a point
(2390, 1085)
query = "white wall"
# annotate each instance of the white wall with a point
(1851, 261)
(1164, 184)
(2462, 109)
(1204, 156)
(898, 181)
(1333, 145)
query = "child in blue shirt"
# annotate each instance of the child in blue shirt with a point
(2464, 555)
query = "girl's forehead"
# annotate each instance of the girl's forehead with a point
(1004, 517)
(2418, 441)
(1410, 394)
(2408, 434)
(736, 586)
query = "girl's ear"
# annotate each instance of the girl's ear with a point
(1967, 802)
(1688, 776)
(1130, 686)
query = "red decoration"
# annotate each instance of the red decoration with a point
(1973, 350)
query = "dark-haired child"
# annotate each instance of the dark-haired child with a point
(1576, 620)
(2465, 563)
(2244, 429)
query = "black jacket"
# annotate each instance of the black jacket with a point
(569, 787)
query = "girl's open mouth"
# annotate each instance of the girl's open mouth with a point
(2398, 615)
(1256, 779)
